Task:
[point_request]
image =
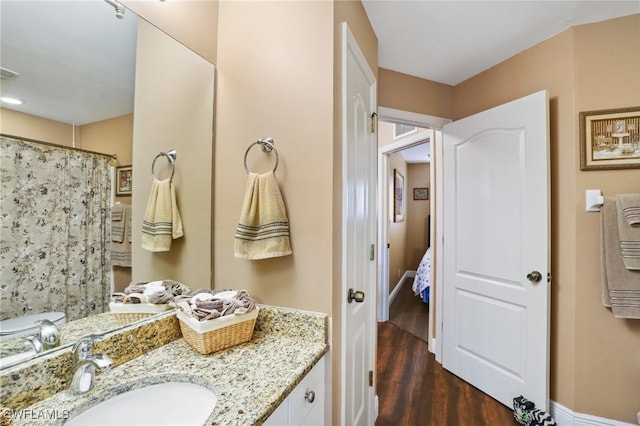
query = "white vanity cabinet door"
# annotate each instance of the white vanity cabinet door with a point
(296, 410)
(280, 417)
(306, 401)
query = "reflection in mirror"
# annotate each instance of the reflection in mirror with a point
(72, 64)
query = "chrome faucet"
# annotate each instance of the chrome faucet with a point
(48, 337)
(85, 364)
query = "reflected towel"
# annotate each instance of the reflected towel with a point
(121, 236)
(263, 230)
(117, 223)
(629, 238)
(620, 286)
(630, 205)
(162, 221)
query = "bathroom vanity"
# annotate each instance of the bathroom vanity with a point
(277, 378)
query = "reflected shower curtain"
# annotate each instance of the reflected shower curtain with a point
(55, 228)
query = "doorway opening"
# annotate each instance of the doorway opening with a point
(406, 144)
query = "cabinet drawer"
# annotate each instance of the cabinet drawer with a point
(301, 407)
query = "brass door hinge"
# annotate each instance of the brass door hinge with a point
(374, 123)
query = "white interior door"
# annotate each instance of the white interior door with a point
(496, 242)
(359, 236)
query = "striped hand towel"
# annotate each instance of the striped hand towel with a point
(263, 230)
(121, 247)
(629, 238)
(630, 205)
(162, 221)
(620, 286)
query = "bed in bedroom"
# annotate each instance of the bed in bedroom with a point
(422, 280)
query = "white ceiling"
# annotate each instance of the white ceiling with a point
(451, 41)
(417, 153)
(75, 59)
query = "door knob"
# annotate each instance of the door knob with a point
(357, 296)
(534, 276)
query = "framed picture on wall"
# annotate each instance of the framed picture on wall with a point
(124, 180)
(610, 139)
(420, 193)
(398, 196)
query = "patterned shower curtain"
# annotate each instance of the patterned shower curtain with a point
(55, 227)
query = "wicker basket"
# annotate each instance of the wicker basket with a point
(127, 313)
(215, 335)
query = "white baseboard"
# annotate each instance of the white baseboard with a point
(567, 417)
(399, 284)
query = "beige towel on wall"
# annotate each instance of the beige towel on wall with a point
(630, 205)
(263, 229)
(629, 236)
(620, 286)
(162, 221)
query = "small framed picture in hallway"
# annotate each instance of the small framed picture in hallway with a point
(420, 193)
(398, 196)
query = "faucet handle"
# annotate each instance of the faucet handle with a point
(49, 334)
(34, 343)
(83, 347)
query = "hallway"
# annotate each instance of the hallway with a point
(415, 390)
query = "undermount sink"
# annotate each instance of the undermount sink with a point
(171, 403)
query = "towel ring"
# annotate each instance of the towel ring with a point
(171, 156)
(267, 145)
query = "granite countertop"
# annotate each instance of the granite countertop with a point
(250, 379)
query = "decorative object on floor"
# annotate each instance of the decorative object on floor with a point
(610, 139)
(526, 413)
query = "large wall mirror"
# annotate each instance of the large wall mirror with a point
(73, 64)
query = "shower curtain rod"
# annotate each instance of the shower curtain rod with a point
(56, 145)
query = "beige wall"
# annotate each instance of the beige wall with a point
(284, 82)
(409, 93)
(417, 212)
(111, 136)
(397, 231)
(594, 359)
(192, 23)
(271, 83)
(32, 127)
(607, 75)
(173, 110)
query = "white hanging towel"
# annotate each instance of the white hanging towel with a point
(263, 230)
(162, 221)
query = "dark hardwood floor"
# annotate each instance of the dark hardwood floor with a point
(415, 390)
(409, 313)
